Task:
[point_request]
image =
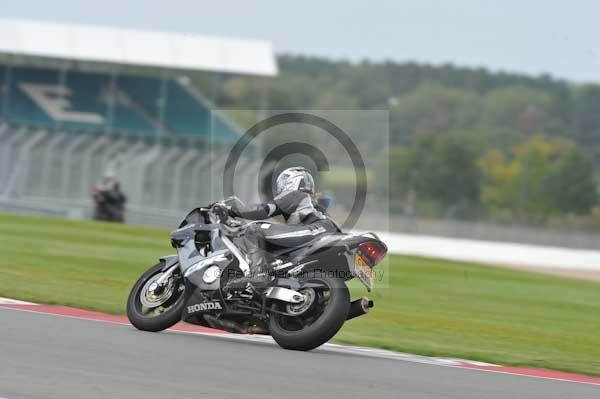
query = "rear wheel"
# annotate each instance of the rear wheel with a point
(310, 324)
(155, 307)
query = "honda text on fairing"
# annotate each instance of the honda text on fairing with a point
(304, 304)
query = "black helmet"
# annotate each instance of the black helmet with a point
(295, 178)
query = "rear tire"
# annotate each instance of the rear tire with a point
(323, 328)
(157, 322)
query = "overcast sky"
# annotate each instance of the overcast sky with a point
(531, 36)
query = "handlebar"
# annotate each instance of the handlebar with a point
(218, 212)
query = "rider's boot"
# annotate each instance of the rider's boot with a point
(259, 274)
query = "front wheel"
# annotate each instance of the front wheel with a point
(152, 307)
(310, 324)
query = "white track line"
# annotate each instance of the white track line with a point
(8, 301)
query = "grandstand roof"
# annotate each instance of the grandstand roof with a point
(119, 46)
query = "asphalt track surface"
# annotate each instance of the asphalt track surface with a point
(44, 356)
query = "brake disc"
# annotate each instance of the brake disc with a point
(153, 294)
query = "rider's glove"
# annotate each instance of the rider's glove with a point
(221, 211)
(233, 202)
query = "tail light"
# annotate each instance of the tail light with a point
(372, 252)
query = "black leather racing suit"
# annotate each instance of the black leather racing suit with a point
(304, 221)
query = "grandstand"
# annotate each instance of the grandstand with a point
(78, 101)
(94, 102)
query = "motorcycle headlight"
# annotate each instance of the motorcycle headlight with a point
(211, 274)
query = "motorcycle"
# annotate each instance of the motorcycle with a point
(304, 305)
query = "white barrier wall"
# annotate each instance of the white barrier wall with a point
(489, 252)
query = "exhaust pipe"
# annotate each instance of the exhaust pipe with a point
(359, 307)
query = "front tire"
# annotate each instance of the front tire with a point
(166, 314)
(319, 331)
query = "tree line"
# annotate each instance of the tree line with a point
(465, 143)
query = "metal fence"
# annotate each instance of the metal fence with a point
(52, 172)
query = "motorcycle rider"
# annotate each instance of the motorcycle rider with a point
(304, 221)
(109, 200)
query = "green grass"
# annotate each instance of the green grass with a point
(430, 307)
(86, 264)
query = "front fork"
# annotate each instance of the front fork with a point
(171, 264)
